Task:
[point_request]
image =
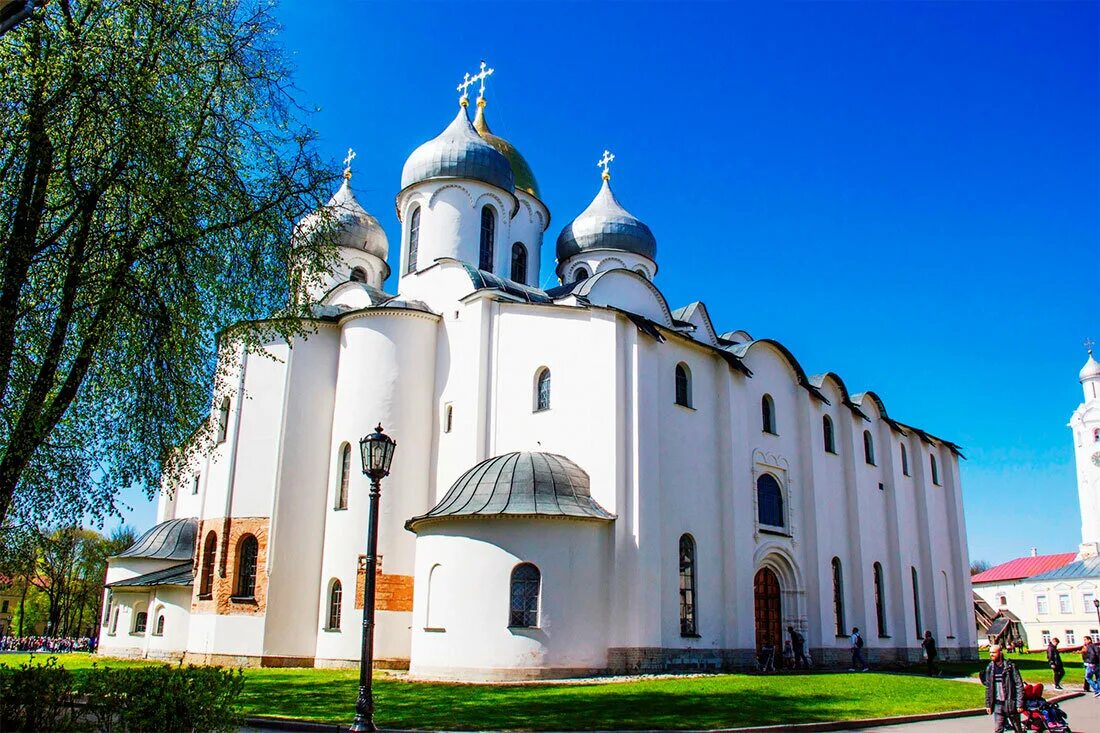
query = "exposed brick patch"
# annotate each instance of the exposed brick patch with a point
(230, 531)
(391, 592)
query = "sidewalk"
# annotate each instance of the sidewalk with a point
(1083, 712)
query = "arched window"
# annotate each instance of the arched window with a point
(880, 600)
(159, 630)
(769, 501)
(206, 578)
(524, 611)
(542, 390)
(335, 600)
(141, 620)
(641, 271)
(935, 470)
(916, 603)
(448, 417)
(195, 485)
(767, 413)
(344, 474)
(838, 597)
(827, 434)
(488, 234)
(114, 621)
(1002, 600)
(414, 239)
(519, 263)
(683, 385)
(947, 604)
(358, 275)
(580, 274)
(248, 551)
(1096, 435)
(868, 448)
(687, 586)
(432, 616)
(223, 420)
(904, 459)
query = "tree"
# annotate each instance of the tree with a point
(152, 161)
(979, 566)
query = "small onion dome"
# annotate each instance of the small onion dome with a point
(521, 171)
(458, 152)
(171, 540)
(605, 224)
(1091, 369)
(352, 225)
(519, 485)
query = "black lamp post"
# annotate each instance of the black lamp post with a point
(377, 452)
(1096, 605)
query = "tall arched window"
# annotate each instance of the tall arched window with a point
(868, 448)
(159, 630)
(767, 413)
(947, 604)
(141, 620)
(935, 470)
(488, 235)
(838, 598)
(414, 240)
(904, 459)
(358, 275)
(206, 578)
(580, 274)
(248, 551)
(344, 475)
(916, 603)
(880, 600)
(519, 263)
(524, 609)
(542, 390)
(827, 434)
(687, 586)
(114, 621)
(769, 501)
(683, 385)
(432, 615)
(223, 420)
(335, 601)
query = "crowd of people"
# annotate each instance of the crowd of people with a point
(50, 644)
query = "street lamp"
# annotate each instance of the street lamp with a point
(1096, 605)
(376, 450)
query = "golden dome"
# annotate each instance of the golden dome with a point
(521, 171)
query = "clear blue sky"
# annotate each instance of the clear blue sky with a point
(905, 193)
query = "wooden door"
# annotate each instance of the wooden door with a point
(769, 612)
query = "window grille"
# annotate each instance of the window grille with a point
(246, 566)
(542, 391)
(687, 586)
(335, 600)
(524, 612)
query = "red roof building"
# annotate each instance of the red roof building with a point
(1024, 567)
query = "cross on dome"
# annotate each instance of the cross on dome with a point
(1089, 343)
(468, 81)
(604, 163)
(347, 163)
(482, 76)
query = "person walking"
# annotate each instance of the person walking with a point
(858, 662)
(1090, 655)
(1054, 660)
(798, 644)
(1004, 692)
(928, 644)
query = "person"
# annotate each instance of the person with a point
(798, 643)
(1004, 692)
(1054, 660)
(788, 654)
(928, 644)
(858, 662)
(1090, 655)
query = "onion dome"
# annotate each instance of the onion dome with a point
(605, 224)
(458, 152)
(1091, 369)
(521, 172)
(519, 485)
(171, 540)
(352, 225)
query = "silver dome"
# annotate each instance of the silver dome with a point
(605, 224)
(459, 152)
(352, 225)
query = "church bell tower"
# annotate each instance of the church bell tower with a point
(1086, 430)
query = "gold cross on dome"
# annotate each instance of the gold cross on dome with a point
(347, 163)
(1089, 343)
(604, 162)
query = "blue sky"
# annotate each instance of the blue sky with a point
(905, 193)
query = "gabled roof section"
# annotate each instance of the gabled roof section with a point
(818, 380)
(735, 337)
(1024, 567)
(881, 406)
(741, 350)
(175, 575)
(1077, 570)
(696, 314)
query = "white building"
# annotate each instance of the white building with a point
(586, 479)
(1056, 596)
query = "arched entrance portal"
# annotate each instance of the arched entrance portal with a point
(769, 610)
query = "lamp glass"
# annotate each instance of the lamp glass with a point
(376, 452)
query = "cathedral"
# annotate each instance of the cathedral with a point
(588, 479)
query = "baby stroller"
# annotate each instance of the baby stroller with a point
(1040, 715)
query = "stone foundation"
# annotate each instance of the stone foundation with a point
(398, 664)
(647, 660)
(509, 674)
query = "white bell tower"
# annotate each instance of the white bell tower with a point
(1085, 424)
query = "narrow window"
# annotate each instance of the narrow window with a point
(904, 459)
(838, 597)
(542, 390)
(683, 385)
(1003, 601)
(868, 448)
(114, 621)
(935, 470)
(223, 420)
(345, 472)
(335, 599)
(580, 274)
(519, 263)
(1071, 638)
(141, 619)
(524, 611)
(160, 625)
(358, 275)
(827, 434)
(687, 586)
(195, 485)
(880, 600)
(206, 580)
(414, 239)
(1064, 606)
(767, 413)
(769, 501)
(448, 418)
(947, 605)
(247, 553)
(488, 234)
(432, 615)
(1096, 432)
(1041, 604)
(916, 603)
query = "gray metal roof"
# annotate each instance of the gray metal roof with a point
(605, 224)
(482, 280)
(519, 485)
(350, 224)
(175, 575)
(171, 540)
(1088, 568)
(459, 152)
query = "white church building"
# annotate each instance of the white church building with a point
(587, 478)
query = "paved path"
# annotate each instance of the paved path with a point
(1083, 712)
